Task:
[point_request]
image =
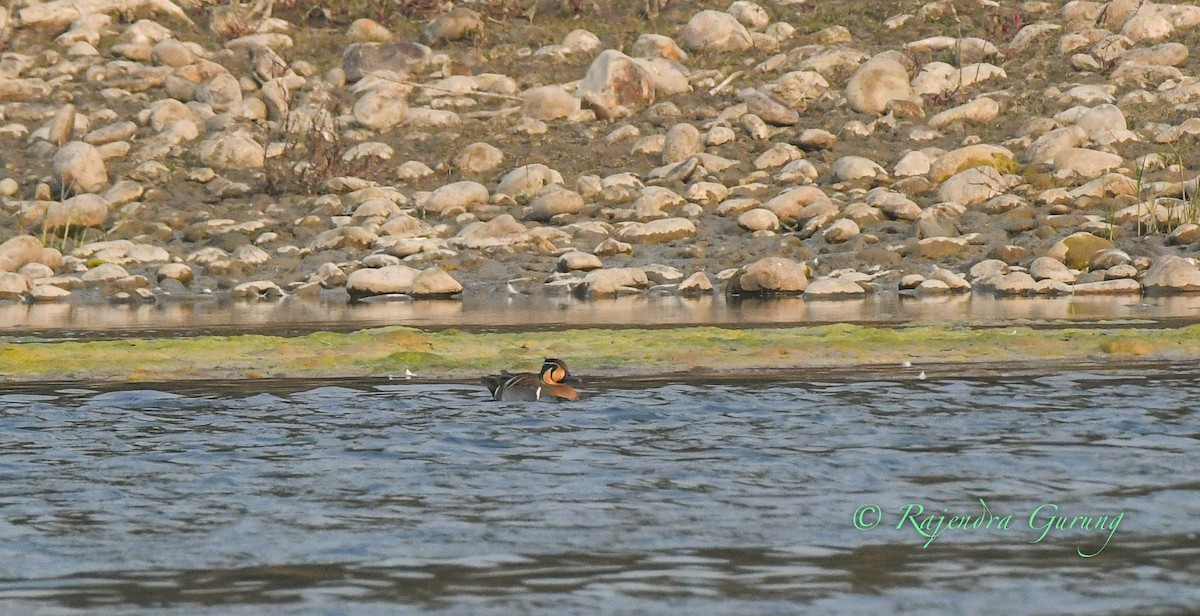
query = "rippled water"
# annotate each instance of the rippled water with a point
(364, 497)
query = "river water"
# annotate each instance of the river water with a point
(488, 311)
(370, 497)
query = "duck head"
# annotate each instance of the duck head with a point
(554, 371)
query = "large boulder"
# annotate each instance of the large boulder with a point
(1076, 250)
(434, 283)
(528, 180)
(454, 25)
(457, 197)
(788, 205)
(973, 186)
(381, 108)
(503, 230)
(554, 200)
(877, 82)
(833, 288)
(13, 287)
(657, 231)
(1171, 274)
(770, 276)
(80, 168)
(548, 103)
(387, 280)
(608, 282)
(716, 31)
(402, 59)
(232, 150)
(615, 79)
(681, 142)
(18, 251)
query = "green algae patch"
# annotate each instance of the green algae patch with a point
(1128, 346)
(456, 354)
(999, 162)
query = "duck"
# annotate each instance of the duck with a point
(548, 384)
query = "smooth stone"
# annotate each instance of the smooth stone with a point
(388, 280)
(1108, 287)
(877, 82)
(939, 221)
(365, 30)
(833, 288)
(80, 167)
(937, 248)
(581, 41)
(657, 231)
(1086, 163)
(576, 260)
(479, 157)
(527, 180)
(1171, 274)
(617, 80)
(1076, 250)
(554, 200)
(404, 59)
(609, 282)
(658, 46)
(434, 282)
(759, 219)
(790, 204)
(257, 290)
(13, 286)
(715, 31)
(1045, 148)
(180, 272)
(454, 25)
(381, 108)
(681, 142)
(1102, 120)
(979, 111)
(840, 230)
(236, 150)
(45, 293)
(1015, 283)
(456, 197)
(503, 230)
(849, 168)
(973, 186)
(895, 205)
(105, 272)
(1046, 268)
(772, 110)
(548, 103)
(960, 159)
(771, 275)
(695, 285)
(18, 251)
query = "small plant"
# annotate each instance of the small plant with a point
(313, 152)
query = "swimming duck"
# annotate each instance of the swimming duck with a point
(547, 384)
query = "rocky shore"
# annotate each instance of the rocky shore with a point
(158, 151)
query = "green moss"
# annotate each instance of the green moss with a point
(999, 162)
(458, 354)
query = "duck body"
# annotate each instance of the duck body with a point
(548, 384)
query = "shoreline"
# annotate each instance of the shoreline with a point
(707, 352)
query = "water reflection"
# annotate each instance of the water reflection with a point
(682, 498)
(524, 311)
